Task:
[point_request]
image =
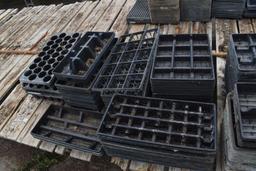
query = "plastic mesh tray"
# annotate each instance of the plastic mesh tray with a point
(127, 69)
(85, 57)
(139, 13)
(245, 107)
(160, 123)
(71, 128)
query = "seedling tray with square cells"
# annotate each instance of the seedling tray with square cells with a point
(39, 74)
(183, 65)
(245, 108)
(85, 57)
(71, 128)
(160, 123)
(241, 62)
(127, 69)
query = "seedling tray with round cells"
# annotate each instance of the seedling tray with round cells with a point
(86, 56)
(70, 127)
(40, 72)
(160, 123)
(127, 67)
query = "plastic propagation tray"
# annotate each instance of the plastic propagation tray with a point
(245, 107)
(183, 66)
(233, 153)
(139, 12)
(241, 61)
(126, 71)
(159, 123)
(250, 10)
(85, 57)
(39, 77)
(71, 128)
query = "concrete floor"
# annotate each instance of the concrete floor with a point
(14, 157)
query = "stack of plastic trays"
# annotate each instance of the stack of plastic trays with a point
(228, 8)
(38, 79)
(164, 11)
(139, 13)
(241, 62)
(78, 71)
(183, 67)
(71, 128)
(166, 132)
(236, 157)
(195, 10)
(250, 10)
(127, 69)
(244, 108)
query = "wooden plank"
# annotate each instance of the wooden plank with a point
(6, 15)
(122, 163)
(120, 25)
(94, 17)
(245, 26)
(46, 146)
(60, 150)
(81, 155)
(108, 18)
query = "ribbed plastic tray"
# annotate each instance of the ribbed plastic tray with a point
(85, 57)
(127, 68)
(139, 13)
(160, 123)
(71, 128)
(183, 65)
(245, 107)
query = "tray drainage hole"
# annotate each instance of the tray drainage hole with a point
(33, 66)
(37, 70)
(46, 48)
(67, 38)
(31, 85)
(37, 60)
(41, 54)
(55, 54)
(60, 58)
(50, 43)
(72, 41)
(51, 61)
(42, 63)
(59, 49)
(42, 74)
(32, 77)
(68, 46)
(55, 64)
(24, 84)
(46, 87)
(50, 51)
(54, 46)
(39, 86)
(28, 73)
(45, 58)
(47, 78)
(62, 35)
(47, 67)
(64, 43)
(50, 72)
(64, 52)
(54, 37)
(54, 88)
(75, 35)
(58, 41)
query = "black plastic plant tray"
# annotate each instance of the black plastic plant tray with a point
(245, 107)
(232, 152)
(40, 72)
(183, 62)
(166, 158)
(139, 13)
(71, 128)
(160, 123)
(251, 4)
(85, 57)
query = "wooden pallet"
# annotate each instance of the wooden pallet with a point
(20, 112)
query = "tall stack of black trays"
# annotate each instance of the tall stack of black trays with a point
(166, 132)
(183, 67)
(128, 67)
(228, 8)
(250, 10)
(77, 73)
(38, 79)
(241, 63)
(236, 157)
(195, 10)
